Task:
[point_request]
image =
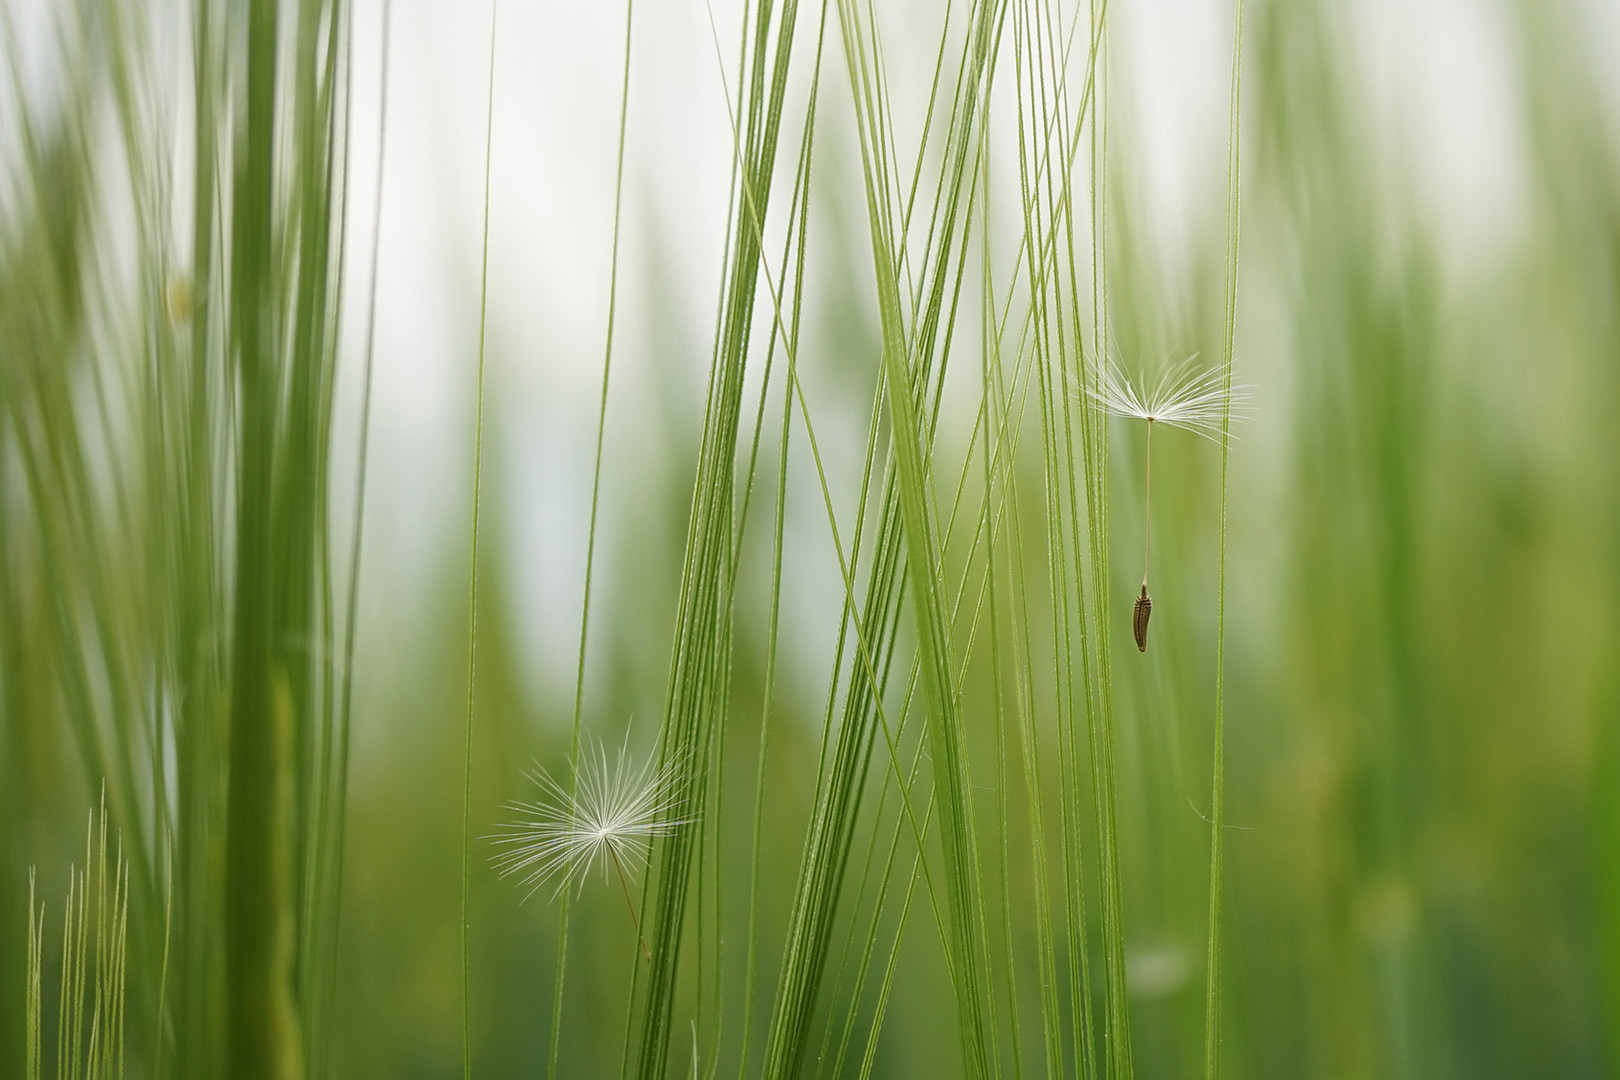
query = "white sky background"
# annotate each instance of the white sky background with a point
(1442, 90)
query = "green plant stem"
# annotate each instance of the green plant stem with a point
(472, 585)
(1147, 498)
(352, 600)
(590, 535)
(1212, 984)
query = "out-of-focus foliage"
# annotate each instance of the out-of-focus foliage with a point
(1422, 618)
(167, 353)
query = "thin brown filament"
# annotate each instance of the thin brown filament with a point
(630, 904)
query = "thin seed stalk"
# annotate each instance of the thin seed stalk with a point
(1142, 610)
(1147, 529)
(630, 904)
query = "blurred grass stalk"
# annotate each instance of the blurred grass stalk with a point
(165, 422)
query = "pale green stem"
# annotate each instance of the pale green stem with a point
(1148, 498)
(1212, 968)
(472, 591)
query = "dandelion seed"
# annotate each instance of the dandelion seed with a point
(612, 816)
(1141, 611)
(1186, 398)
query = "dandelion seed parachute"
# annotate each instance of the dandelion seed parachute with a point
(612, 816)
(1197, 401)
(1184, 397)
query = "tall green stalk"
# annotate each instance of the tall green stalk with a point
(472, 578)
(964, 889)
(1217, 813)
(590, 534)
(697, 693)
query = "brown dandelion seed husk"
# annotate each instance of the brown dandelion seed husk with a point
(1139, 619)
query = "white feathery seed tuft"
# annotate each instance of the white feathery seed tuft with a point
(614, 814)
(1184, 398)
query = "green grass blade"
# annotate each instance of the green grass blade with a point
(697, 692)
(590, 535)
(1217, 811)
(472, 573)
(923, 569)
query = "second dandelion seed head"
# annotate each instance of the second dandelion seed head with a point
(611, 814)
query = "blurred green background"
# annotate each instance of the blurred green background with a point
(1422, 620)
